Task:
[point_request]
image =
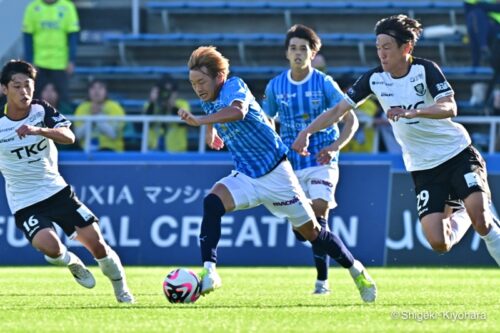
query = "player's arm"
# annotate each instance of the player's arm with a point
(62, 135)
(445, 107)
(236, 111)
(326, 119)
(351, 125)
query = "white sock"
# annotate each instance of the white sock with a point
(460, 222)
(65, 259)
(112, 267)
(209, 265)
(492, 241)
(356, 268)
(322, 283)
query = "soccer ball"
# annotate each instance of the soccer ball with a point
(182, 285)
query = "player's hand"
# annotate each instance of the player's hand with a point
(213, 140)
(395, 113)
(25, 130)
(325, 155)
(189, 118)
(301, 143)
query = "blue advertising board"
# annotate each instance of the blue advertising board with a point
(150, 214)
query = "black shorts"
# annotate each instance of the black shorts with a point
(62, 208)
(455, 179)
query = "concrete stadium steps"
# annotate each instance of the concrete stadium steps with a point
(111, 15)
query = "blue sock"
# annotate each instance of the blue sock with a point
(213, 210)
(334, 247)
(321, 258)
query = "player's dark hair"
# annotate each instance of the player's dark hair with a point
(303, 32)
(13, 67)
(211, 59)
(401, 27)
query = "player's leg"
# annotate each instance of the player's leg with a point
(55, 253)
(283, 196)
(477, 205)
(444, 222)
(320, 184)
(470, 182)
(321, 258)
(39, 230)
(109, 262)
(233, 192)
(310, 180)
(336, 249)
(80, 223)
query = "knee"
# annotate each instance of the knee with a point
(299, 236)
(440, 246)
(48, 245)
(308, 231)
(51, 250)
(212, 205)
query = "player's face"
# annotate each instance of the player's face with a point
(19, 91)
(299, 54)
(204, 85)
(391, 56)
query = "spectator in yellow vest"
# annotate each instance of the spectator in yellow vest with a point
(50, 30)
(105, 135)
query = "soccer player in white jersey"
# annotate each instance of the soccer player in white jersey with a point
(36, 193)
(437, 152)
(297, 96)
(262, 176)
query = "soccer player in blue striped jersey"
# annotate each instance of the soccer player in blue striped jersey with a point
(297, 96)
(262, 176)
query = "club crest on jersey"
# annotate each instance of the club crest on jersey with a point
(420, 89)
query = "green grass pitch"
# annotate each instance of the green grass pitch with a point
(46, 299)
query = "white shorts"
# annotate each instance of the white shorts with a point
(279, 191)
(320, 182)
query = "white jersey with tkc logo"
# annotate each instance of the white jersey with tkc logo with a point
(29, 165)
(426, 143)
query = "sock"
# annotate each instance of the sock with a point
(321, 258)
(111, 266)
(334, 247)
(460, 223)
(356, 268)
(492, 241)
(209, 265)
(213, 210)
(65, 259)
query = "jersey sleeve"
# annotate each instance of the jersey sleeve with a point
(269, 102)
(436, 81)
(236, 90)
(72, 24)
(333, 92)
(52, 118)
(28, 24)
(360, 90)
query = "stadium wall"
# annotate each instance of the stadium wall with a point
(150, 213)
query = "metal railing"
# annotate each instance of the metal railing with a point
(146, 120)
